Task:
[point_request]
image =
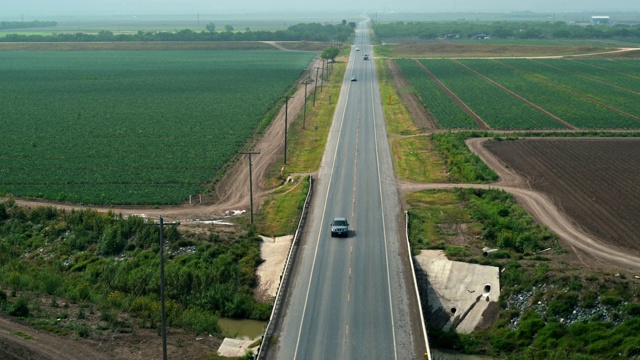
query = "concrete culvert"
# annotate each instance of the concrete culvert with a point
(453, 310)
(490, 252)
(486, 290)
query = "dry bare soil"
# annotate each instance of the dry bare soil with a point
(593, 180)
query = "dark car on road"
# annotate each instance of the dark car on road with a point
(339, 227)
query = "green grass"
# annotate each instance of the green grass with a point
(307, 145)
(429, 209)
(415, 159)
(397, 116)
(23, 335)
(139, 127)
(279, 214)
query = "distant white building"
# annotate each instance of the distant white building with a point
(600, 20)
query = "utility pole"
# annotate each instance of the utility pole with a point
(286, 113)
(326, 73)
(328, 68)
(250, 181)
(322, 76)
(162, 306)
(304, 111)
(315, 87)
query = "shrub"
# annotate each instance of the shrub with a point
(463, 165)
(20, 308)
(3, 212)
(50, 282)
(632, 309)
(562, 304)
(112, 241)
(201, 322)
(589, 299)
(611, 300)
(504, 341)
(549, 335)
(457, 251)
(107, 316)
(529, 326)
(81, 330)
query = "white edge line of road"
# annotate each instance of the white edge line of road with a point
(384, 228)
(415, 284)
(315, 255)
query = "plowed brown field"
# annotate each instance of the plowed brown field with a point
(595, 181)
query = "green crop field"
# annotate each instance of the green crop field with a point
(568, 106)
(131, 127)
(585, 93)
(602, 91)
(434, 99)
(496, 107)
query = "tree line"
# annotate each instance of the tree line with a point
(300, 32)
(503, 30)
(6, 25)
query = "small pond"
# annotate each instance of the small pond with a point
(242, 329)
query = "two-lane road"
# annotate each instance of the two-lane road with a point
(353, 298)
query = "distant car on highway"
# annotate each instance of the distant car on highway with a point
(339, 227)
(357, 49)
(353, 78)
(365, 57)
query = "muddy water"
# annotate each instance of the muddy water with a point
(242, 329)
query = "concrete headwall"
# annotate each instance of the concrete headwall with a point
(458, 295)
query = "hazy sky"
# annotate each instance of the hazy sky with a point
(41, 8)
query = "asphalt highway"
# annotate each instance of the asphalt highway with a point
(353, 298)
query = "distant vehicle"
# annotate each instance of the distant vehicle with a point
(357, 49)
(366, 57)
(339, 227)
(353, 78)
